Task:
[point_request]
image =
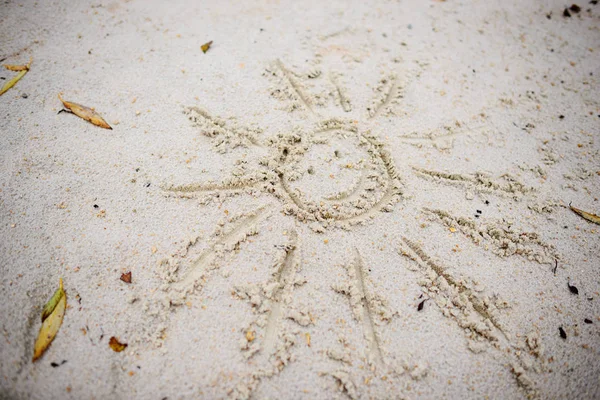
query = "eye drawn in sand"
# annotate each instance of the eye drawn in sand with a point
(283, 171)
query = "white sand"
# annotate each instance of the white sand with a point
(281, 242)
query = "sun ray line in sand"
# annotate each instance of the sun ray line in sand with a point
(191, 188)
(505, 185)
(342, 98)
(186, 282)
(365, 304)
(441, 141)
(183, 277)
(229, 135)
(283, 276)
(370, 331)
(271, 301)
(390, 95)
(296, 87)
(268, 338)
(461, 301)
(500, 237)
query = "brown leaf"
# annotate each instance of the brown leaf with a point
(85, 113)
(52, 317)
(586, 215)
(206, 46)
(126, 277)
(116, 345)
(17, 68)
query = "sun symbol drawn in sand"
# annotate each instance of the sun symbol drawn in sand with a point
(284, 171)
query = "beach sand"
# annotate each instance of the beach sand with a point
(351, 200)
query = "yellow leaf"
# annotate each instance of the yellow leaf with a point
(22, 71)
(116, 345)
(85, 113)
(205, 47)
(52, 317)
(586, 215)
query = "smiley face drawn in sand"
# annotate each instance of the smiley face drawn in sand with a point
(297, 168)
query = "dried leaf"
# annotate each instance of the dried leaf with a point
(23, 69)
(586, 215)
(421, 304)
(116, 345)
(206, 46)
(85, 113)
(52, 317)
(126, 277)
(18, 68)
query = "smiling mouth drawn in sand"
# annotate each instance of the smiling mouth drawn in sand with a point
(371, 185)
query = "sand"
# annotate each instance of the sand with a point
(350, 200)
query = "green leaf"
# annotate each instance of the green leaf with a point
(51, 304)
